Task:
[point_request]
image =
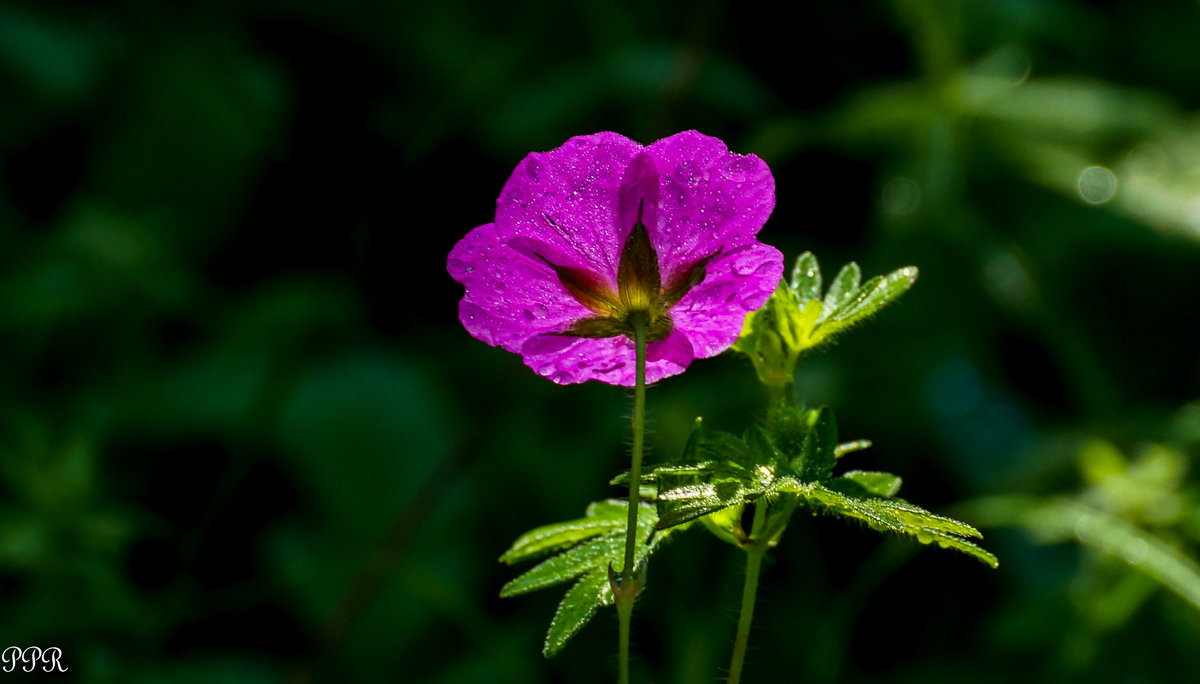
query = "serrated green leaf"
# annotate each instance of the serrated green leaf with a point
(843, 288)
(707, 489)
(895, 515)
(806, 278)
(795, 318)
(914, 517)
(551, 538)
(726, 450)
(732, 473)
(875, 483)
(787, 425)
(762, 448)
(824, 500)
(566, 566)
(599, 518)
(588, 561)
(875, 294)
(949, 541)
(820, 442)
(576, 609)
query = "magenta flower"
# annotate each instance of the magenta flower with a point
(602, 234)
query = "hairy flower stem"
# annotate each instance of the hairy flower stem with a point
(627, 588)
(754, 556)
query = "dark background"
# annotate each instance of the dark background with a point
(244, 438)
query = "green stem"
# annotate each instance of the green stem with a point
(627, 588)
(624, 614)
(754, 556)
(639, 430)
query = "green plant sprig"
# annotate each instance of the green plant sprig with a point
(787, 464)
(782, 465)
(797, 318)
(583, 549)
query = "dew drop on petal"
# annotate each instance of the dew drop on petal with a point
(742, 268)
(687, 173)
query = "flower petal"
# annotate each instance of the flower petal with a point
(738, 282)
(509, 297)
(639, 194)
(710, 199)
(563, 204)
(568, 360)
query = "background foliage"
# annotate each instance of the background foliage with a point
(243, 437)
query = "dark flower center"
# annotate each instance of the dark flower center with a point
(641, 300)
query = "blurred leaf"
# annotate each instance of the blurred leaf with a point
(851, 447)
(60, 60)
(1057, 520)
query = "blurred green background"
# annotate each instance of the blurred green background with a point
(244, 438)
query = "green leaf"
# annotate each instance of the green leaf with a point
(587, 547)
(844, 286)
(598, 520)
(567, 565)
(795, 318)
(1060, 519)
(576, 609)
(820, 444)
(857, 305)
(733, 473)
(706, 488)
(874, 483)
(791, 459)
(897, 516)
(726, 525)
(806, 278)
(850, 447)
